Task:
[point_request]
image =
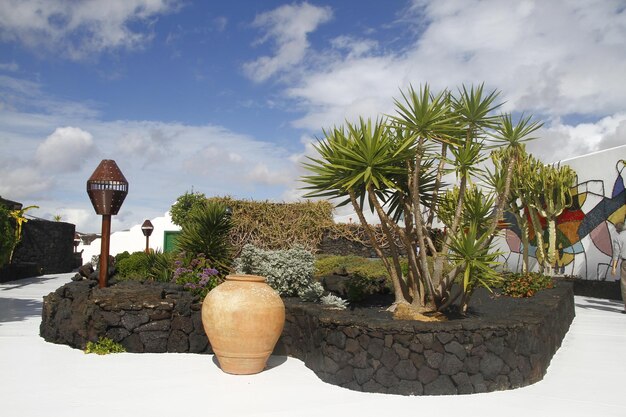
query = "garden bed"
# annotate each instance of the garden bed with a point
(505, 343)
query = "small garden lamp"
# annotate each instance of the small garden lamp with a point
(146, 229)
(76, 241)
(107, 188)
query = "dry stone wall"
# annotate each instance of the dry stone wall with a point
(414, 358)
(49, 245)
(368, 352)
(142, 317)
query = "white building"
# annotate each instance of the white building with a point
(133, 240)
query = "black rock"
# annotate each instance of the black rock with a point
(441, 386)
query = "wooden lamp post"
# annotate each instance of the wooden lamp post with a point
(107, 189)
(146, 229)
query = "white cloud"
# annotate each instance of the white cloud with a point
(261, 174)
(21, 180)
(65, 150)
(82, 218)
(80, 29)
(150, 145)
(20, 93)
(220, 23)
(288, 27)
(160, 160)
(562, 141)
(9, 66)
(355, 47)
(554, 59)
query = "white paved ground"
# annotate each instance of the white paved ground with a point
(587, 376)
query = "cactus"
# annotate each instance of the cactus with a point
(554, 196)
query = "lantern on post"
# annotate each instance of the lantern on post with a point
(107, 189)
(146, 229)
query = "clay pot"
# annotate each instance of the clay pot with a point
(243, 319)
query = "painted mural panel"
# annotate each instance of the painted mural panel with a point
(586, 229)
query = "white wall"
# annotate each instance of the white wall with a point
(131, 240)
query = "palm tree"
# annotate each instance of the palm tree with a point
(20, 219)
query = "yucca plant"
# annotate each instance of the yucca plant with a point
(396, 168)
(206, 230)
(476, 260)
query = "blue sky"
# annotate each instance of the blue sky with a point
(227, 97)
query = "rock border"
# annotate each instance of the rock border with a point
(364, 353)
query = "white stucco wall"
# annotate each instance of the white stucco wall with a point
(132, 240)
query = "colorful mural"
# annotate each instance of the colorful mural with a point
(584, 230)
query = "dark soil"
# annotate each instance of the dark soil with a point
(483, 305)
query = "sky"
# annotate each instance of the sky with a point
(228, 97)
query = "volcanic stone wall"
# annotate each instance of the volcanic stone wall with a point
(370, 353)
(142, 317)
(48, 244)
(416, 358)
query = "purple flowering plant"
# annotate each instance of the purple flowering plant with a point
(195, 274)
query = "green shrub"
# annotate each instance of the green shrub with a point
(183, 206)
(160, 266)
(7, 236)
(328, 264)
(134, 266)
(371, 268)
(367, 275)
(312, 293)
(120, 256)
(525, 285)
(358, 287)
(140, 266)
(206, 231)
(288, 271)
(104, 346)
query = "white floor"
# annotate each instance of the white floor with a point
(587, 376)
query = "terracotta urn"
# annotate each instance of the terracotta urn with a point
(243, 318)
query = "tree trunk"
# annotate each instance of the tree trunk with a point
(384, 224)
(501, 199)
(399, 291)
(552, 245)
(540, 254)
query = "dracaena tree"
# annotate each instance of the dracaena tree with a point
(396, 167)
